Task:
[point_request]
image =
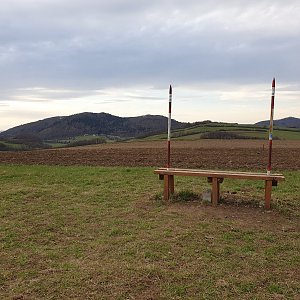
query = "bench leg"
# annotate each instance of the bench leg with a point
(171, 184)
(268, 192)
(168, 186)
(215, 191)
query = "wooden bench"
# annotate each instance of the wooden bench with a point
(216, 178)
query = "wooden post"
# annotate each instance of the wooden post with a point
(269, 167)
(218, 195)
(169, 179)
(268, 192)
(215, 191)
(171, 184)
(166, 187)
(169, 128)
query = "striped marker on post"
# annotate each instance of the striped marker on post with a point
(269, 168)
(169, 128)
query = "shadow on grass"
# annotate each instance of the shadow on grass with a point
(225, 199)
(182, 196)
(240, 200)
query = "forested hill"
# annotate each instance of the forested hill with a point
(290, 122)
(93, 123)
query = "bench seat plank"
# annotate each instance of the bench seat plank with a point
(220, 174)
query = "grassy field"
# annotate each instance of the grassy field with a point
(57, 143)
(13, 146)
(195, 132)
(104, 233)
(187, 134)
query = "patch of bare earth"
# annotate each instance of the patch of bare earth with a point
(214, 154)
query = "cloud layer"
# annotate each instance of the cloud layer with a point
(72, 48)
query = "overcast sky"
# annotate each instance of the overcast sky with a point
(60, 57)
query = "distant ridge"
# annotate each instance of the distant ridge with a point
(93, 123)
(289, 122)
(87, 123)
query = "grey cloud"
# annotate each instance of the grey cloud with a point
(43, 94)
(111, 101)
(95, 44)
(145, 98)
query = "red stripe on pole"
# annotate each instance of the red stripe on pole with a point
(269, 168)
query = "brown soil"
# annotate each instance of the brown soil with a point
(214, 154)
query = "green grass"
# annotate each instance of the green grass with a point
(194, 133)
(14, 146)
(60, 143)
(105, 233)
(55, 145)
(75, 139)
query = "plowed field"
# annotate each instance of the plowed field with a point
(214, 154)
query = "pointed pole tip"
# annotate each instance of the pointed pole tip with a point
(170, 89)
(273, 82)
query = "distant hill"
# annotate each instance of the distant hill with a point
(92, 123)
(289, 122)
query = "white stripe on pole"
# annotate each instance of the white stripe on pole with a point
(169, 127)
